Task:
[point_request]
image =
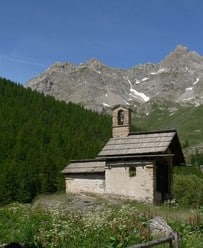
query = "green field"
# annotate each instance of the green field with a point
(105, 224)
(188, 121)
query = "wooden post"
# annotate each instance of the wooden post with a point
(168, 239)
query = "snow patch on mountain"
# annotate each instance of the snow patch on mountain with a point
(187, 99)
(137, 94)
(187, 96)
(197, 80)
(145, 79)
(127, 103)
(134, 93)
(140, 81)
(160, 71)
(106, 105)
(177, 78)
(190, 88)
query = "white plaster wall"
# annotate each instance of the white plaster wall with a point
(139, 187)
(80, 183)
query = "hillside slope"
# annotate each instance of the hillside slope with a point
(38, 137)
(187, 120)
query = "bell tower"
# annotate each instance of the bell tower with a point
(121, 121)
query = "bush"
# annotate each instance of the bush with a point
(197, 158)
(188, 170)
(188, 190)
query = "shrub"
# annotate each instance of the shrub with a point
(197, 158)
(188, 190)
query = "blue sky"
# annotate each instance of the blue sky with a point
(121, 33)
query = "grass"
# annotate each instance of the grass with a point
(187, 120)
(117, 223)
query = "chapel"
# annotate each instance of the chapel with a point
(138, 165)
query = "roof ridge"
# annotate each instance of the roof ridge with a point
(153, 131)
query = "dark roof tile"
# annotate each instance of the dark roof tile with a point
(138, 144)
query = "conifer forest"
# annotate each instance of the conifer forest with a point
(38, 137)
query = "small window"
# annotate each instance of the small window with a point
(120, 117)
(132, 171)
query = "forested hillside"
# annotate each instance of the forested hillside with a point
(38, 137)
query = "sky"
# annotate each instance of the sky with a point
(34, 34)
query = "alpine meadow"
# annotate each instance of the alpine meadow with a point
(39, 135)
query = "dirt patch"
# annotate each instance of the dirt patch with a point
(82, 202)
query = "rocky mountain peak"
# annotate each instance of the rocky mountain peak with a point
(95, 63)
(177, 78)
(180, 49)
(61, 66)
(176, 58)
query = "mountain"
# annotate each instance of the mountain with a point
(177, 79)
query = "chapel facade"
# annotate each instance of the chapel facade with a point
(138, 165)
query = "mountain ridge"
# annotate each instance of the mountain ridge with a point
(178, 78)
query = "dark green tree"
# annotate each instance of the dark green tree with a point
(38, 137)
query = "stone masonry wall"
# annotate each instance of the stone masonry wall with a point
(87, 183)
(139, 187)
(121, 130)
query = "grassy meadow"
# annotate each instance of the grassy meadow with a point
(54, 221)
(187, 120)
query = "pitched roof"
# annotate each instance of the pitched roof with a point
(140, 145)
(156, 142)
(85, 166)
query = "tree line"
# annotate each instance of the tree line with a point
(38, 137)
